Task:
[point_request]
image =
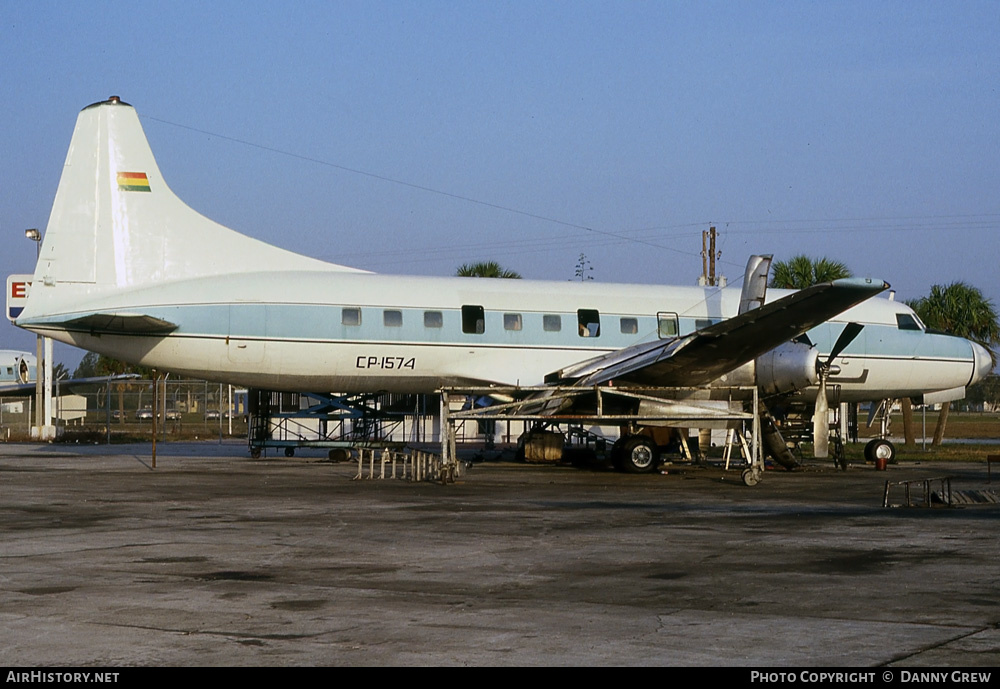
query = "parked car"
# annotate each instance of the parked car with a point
(212, 415)
(144, 414)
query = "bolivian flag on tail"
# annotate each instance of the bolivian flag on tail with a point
(132, 181)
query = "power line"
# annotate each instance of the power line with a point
(419, 187)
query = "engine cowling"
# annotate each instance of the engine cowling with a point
(787, 368)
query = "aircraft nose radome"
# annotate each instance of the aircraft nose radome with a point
(983, 363)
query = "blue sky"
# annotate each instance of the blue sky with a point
(410, 137)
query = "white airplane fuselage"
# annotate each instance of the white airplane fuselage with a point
(128, 270)
(405, 334)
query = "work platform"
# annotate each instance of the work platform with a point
(288, 421)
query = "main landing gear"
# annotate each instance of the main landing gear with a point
(636, 454)
(880, 449)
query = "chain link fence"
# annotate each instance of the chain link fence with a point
(123, 409)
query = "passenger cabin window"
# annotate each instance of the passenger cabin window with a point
(667, 325)
(350, 316)
(473, 320)
(630, 326)
(392, 319)
(551, 323)
(433, 319)
(905, 321)
(702, 323)
(588, 323)
(512, 321)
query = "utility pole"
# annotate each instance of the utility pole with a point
(708, 257)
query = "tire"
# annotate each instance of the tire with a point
(639, 455)
(751, 477)
(339, 454)
(880, 449)
(255, 453)
(289, 451)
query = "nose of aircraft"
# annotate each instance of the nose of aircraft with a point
(983, 363)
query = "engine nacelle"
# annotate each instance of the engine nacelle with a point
(787, 368)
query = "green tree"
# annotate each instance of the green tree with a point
(87, 367)
(801, 272)
(59, 371)
(959, 309)
(486, 269)
(106, 366)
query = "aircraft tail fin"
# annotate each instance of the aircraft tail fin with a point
(116, 224)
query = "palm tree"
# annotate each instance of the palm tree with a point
(959, 309)
(486, 269)
(801, 272)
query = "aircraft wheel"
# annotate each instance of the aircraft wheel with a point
(751, 477)
(880, 449)
(639, 455)
(339, 454)
(255, 453)
(289, 451)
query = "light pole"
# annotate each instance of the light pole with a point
(43, 365)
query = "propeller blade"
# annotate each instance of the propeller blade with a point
(821, 412)
(847, 336)
(821, 421)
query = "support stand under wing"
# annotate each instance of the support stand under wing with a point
(602, 405)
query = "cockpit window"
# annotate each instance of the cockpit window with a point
(905, 321)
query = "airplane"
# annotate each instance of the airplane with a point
(17, 372)
(127, 269)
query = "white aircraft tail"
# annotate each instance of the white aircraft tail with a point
(115, 223)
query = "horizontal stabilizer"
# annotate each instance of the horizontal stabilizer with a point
(119, 324)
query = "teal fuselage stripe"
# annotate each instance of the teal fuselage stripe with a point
(323, 323)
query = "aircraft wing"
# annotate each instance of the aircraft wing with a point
(707, 354)
(65, 386)
(17, 389)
